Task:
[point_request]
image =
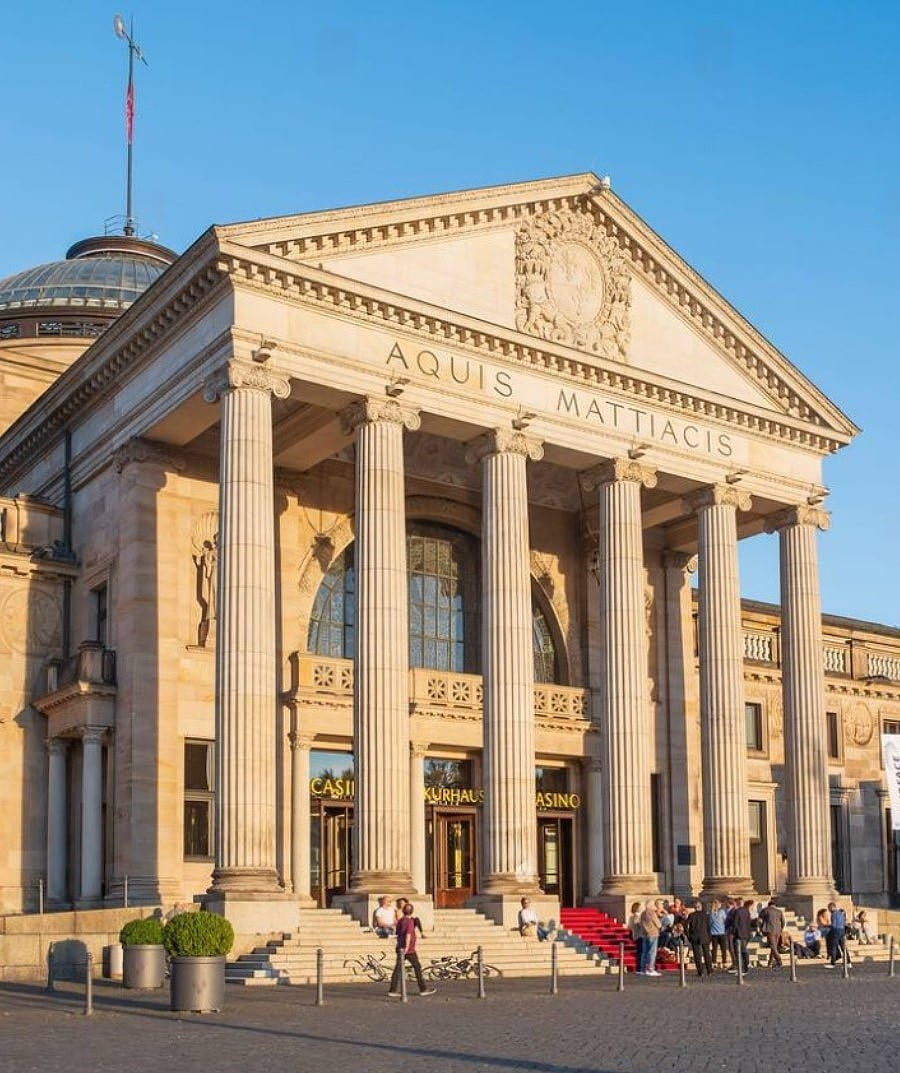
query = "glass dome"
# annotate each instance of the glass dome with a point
(98, 273)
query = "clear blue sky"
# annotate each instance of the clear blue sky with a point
(759, 139)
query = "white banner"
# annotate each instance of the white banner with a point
(890, 750)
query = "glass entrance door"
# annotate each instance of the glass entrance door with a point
(330, 851)
(555, 858)
(453, 858)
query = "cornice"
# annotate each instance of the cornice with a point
(369, 228)
(305, 285)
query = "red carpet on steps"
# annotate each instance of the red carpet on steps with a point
(605, 933)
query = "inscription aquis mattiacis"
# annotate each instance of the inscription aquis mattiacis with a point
(587, 406)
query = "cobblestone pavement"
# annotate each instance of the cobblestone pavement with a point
(821, 1024)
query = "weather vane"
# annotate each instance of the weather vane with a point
(134, 49)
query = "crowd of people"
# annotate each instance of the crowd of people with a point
(717, 935)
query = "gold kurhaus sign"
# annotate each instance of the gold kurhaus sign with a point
(340, 789)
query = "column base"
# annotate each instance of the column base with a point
(251, 881)
(508, 884)
(807, 897)
(260, 913)
(504, 909)
(361, 905)
(396, 884)
(729, 886)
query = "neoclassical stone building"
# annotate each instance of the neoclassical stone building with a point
(394, 548)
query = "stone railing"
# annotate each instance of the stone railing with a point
(760, 646)
(881, 665)
(837, 659)
(92, 664)
(438, 691)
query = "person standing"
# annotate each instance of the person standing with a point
(772, 924)
(637, 933)
(696, 928)
(406, 951)
(650, 925)
(717, 932)
(837, 935)
(742, 929)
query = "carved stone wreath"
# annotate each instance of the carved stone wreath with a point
(573, 285)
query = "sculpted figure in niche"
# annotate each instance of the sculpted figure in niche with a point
(205, 546)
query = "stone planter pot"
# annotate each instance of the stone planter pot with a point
(197, 985)
(143, 967)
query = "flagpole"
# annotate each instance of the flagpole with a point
(134, 49)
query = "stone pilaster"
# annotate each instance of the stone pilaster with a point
(726, 824)
(57, 821)
(593, 772)
(803, 689)
(624, 695)
(91, 888)
(417, 814)
(245, 651)
(300, 817)
(381, 827)
(510, 816)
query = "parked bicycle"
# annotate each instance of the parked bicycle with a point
(464, 968)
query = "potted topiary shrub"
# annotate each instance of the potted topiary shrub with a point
(197, 944)
(143, 954)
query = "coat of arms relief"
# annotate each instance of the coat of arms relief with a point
(573, 284)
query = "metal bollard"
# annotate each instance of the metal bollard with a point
(88, 984)
(125, 892)
(480, 964)
(50, 981)
(554, 968)
(739, 960)
(682, 978)
(891, 957)
(401, 965)
(41, 896)
(621, 986)
(793, 963)
(845, 960)
(320, 976)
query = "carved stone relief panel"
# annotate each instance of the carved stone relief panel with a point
(573, 284)
(30, 620)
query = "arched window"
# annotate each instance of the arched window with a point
(333, 620)
(444, 573)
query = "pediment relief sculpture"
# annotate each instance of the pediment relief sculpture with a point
(573, 284)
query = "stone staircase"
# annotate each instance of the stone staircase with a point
(346, 944)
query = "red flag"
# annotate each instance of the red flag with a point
(129, 111)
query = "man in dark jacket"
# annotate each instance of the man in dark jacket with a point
(696, 927)
(742, 930)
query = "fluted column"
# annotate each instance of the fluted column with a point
(726, 823)
(624, 693)
(246, 700)
(593, 769)
(803, 688)
(300, 817)
(417, 814)
(510, 812)
(91, 889)
(381, 674)
(57, 821)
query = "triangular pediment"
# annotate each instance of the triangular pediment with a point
(562, 260)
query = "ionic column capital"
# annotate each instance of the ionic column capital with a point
(680, 561)
(146, 452)
(372, 409)
(618, 469)
(802, 514)
(300, 741)
(57, 746)
(244, 374)
(93, 735)
(418, 749)
(504, 441)
(719, 495)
